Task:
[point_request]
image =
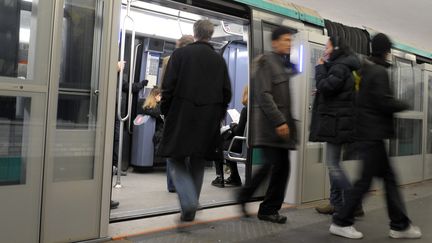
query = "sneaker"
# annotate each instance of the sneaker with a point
(233, 182)
(274, 218)
(347, 232)
(218, 182)
(412, 232)
(325, 209)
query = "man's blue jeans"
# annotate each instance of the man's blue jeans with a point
(187, 175)
(338, 179)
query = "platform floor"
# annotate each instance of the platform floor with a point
(145, 193)
(304, 224)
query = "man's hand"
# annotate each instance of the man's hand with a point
(283, 131)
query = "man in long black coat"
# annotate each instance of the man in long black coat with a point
(196, 91)
(375, 108)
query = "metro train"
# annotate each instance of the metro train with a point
(59, 83)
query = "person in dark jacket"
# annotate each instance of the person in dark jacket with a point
(234, 130)
(333, 114)
(151, 107)
(375, 107)
(273, 129)
(196, 91)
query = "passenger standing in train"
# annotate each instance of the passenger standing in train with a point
(375, 108)
(151, 107)
(234, 130)
(196, 91)
(273, 128)
(333, 115)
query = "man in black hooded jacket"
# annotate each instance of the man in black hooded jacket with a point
(375, 107)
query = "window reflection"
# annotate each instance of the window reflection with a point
(408, 139)
(14, 126)
(15, 36)
(407, 83)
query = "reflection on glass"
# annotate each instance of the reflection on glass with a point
(15, 29)
(14, 126)
(74, 147)
(408, 139)
(73, 111)
(429, 115)
(78, 35)
(408, 84)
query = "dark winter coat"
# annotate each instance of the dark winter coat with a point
(196, 92)
(333, 109)
(156, 114)
(375, 104)
(271, 103)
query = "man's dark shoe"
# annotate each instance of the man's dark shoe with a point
(233, 182)
(114, 204)
(218, 182)
(274, 218)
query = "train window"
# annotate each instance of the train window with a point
(76, 75)
(408, 139)
(407, 83)
(16, 28)
(14, 129)
(429, 115)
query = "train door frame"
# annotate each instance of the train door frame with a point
(115, 30)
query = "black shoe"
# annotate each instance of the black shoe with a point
(274, 218)
(172, 190)
(114, 204)
(187, 217)
(218, 182)
(233, 182)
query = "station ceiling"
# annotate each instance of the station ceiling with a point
(409, 22)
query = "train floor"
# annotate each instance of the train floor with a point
(304, 224)
(145, 193)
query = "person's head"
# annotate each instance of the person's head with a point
(184, 41)
(245, 96)
(203, 30)
(153, 98)
(281, 40)
(381, 46)
(335, 47)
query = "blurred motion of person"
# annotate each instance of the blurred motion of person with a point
(273, 128)
(375, 108)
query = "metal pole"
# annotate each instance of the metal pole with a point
(119, 91)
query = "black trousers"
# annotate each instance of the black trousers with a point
(233, 169)
(277, 164)
(375, 164)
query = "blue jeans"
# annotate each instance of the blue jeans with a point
(187, 175)
(170, 184)
(339, 182)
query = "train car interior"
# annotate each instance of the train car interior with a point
(155, 27)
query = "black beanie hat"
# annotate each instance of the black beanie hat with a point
(381, 45)
(281, 31)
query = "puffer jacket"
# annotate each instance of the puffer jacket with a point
(333, 110)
